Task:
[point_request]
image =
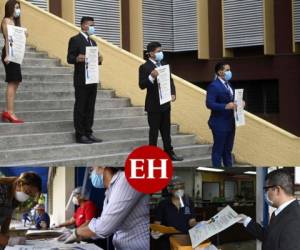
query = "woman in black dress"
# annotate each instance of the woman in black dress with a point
(12, 70)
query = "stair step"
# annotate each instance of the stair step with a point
(67, 125)
(46, 71)
(54, 95)
(15, 141)
(42, 86)
(16, 156)
(52, 115)
(41, 62)
(32, 54)
(116, 160)
(28, 105)
(50, 139)
(43, 77)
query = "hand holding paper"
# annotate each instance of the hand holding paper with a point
(222, 220)
(164, 84)
(239, 113)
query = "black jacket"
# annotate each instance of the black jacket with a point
(152, 97)
(283, 232)
(77, 45)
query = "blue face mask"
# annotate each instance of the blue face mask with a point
(228, 75)
(159, 56)
(91, 30)
(97, 180)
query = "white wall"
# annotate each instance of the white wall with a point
(62, 185)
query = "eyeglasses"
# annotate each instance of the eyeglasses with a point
(266, 188)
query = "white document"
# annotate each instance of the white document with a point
(164, 84)
(17, 43)
(48, 232)
(52, 245)
(91, 65)
(222, 220)
(239, 113)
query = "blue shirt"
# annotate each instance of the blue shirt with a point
(44, 217)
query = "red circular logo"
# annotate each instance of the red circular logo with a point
(148, 169)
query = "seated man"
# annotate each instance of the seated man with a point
(86, 211)
(42, 220)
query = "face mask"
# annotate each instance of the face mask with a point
(17, 13)
(97, 180)
(75, 201)
(91, 30)
(21, 196)
(179, 193)
(267, 199)
(228, 75)
(159, 56)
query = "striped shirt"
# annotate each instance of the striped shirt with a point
(125, 214)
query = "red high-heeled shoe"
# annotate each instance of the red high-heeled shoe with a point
(7, 117)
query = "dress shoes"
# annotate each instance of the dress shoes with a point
(7, 117)
(84, 140)
(94, 139)
(175, 157)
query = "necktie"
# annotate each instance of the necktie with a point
(272, 218)
(89, 41)
(158, 64)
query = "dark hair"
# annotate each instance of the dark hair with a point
(220, 66)
(31, 179)
(86, 19)
(10, 9)
(282, 178)
(153, 46)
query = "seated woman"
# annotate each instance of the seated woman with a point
(86, 211)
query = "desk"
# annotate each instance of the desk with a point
(183, 242)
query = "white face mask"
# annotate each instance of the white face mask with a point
(179, 193)
(75, 201)
(267, 199)
(17, 13)
(21, 196)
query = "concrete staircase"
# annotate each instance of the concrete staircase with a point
(45, 101)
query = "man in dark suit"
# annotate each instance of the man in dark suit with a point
(159, 116)
(85, 94)
(283, 230)
(220, 100)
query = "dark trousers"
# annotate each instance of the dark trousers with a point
(222, 148)
(84, 109)
(160, 122)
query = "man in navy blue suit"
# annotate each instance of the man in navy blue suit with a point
(220, 100)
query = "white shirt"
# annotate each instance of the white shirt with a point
(277, 211)
(151, 79)
(227, 86)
